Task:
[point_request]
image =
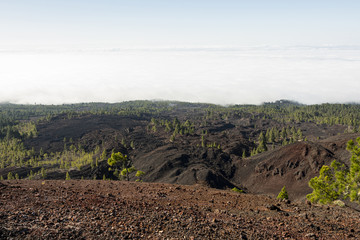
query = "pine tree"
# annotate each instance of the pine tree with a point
(262, 144)
(293, 132)
(31, 175)
(123, 163)
(140, 175)
(103, 155)
(202, 141)
(354, 172)
(267, 135)
(154, 129)
(43, 173)
(324, 187)
(283, 194)
(276, 134)
(336, 181)
(283, 133)
(300, 134)
(172, 138)
(10, 176)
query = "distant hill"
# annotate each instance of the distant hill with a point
(284, 103)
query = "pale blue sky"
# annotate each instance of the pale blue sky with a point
(225, 51)
(179, 22)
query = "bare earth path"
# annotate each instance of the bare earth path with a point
(126, 210)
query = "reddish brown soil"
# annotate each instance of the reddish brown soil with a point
(127, 210)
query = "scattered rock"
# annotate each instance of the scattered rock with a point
(310, 235)
(273, 208)
(125, 212)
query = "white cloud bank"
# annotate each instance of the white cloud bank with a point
(215, 75)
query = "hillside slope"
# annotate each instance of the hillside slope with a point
(181, 143)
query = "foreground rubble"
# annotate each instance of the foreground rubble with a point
(128, 210)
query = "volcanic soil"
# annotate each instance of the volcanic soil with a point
(184, 161)
(89, 209)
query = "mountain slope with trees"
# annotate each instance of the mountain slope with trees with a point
(256, 148)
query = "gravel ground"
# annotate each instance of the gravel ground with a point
(84, 209)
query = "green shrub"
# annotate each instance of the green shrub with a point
(235, 189)
(283, 194)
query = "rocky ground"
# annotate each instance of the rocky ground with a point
(85, 209)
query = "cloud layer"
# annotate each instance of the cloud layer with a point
(209, 74)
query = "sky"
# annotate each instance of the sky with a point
(223, 52)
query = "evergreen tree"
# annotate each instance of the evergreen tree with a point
(283, 133)
(10, 176)
(126, 171)
(324, 187)
(336, 181)
(154, 129)
(122, 163)
(31, 175)
(103, 155)
(202, 141)
(267, 135)
(43, 173)
(172, 138)
(283, 194)
(276, 134)
(300, 134)
(262, 143)
(293, 131)
(140, 175)
(354, 173)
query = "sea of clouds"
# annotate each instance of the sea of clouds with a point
(221, 75)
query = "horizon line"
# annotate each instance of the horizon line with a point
(94, 48)
(180, 101)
